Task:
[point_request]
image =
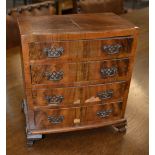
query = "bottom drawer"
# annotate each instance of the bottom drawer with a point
(54, 118)
(100, 113)
(46, 118)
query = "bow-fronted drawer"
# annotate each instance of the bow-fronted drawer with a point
(82, 95)
(95, 49)
(103, 113)
(63, 118)
(71, 73)
(54, 118)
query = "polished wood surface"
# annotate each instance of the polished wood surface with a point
(81, 50)
(79, 73)
(92, 113)
(86, 95)
(75, 26)
(89, 115)
(44, 121)
(97, 141)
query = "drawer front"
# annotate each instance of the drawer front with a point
(82, 49)
(58, 73)
(54, 118)
(46, 118)
(100, 113)
(79, 95)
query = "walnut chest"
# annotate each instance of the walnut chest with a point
(77, 71)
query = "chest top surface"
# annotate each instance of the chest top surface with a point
(74, 24)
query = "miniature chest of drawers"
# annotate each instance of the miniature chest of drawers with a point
(77, 71)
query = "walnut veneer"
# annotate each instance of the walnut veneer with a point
(77, 71)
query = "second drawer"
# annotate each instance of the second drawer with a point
(79, 95)
(92, 71)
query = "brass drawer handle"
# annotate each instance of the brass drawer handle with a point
(112, 49)
(104, 113)
(54, 76)
(54, 100)
(109, 71)
(53, 52)
(56, 119)
(105, 94)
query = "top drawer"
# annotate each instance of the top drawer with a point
(81, 49)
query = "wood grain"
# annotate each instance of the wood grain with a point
(81, 49)
(85, 26)
(42, 122)
(94, 34)
(86, 142)
(79, 72)
(70, 114)
(91, 112)
(85, 95)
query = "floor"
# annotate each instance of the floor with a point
(101, 141)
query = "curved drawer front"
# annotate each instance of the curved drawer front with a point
(81, 49)
(85, 95)
(101, 113)
(58, 73)
(54, 118)
(46, 118)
